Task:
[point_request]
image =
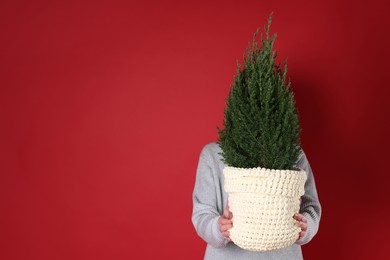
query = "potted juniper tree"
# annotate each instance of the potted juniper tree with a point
(260, 146)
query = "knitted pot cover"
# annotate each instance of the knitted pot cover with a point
(263, 202)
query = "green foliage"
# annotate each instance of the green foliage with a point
(261, 124)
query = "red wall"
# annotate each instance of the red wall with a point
(105, 107)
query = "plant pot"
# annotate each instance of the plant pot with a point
(263, 202)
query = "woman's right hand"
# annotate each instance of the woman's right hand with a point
(225, 222)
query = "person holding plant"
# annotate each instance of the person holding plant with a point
(212, 218)
(257, 174)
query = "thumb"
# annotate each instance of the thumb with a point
(226, 211)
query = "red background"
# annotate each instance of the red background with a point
(105, 106)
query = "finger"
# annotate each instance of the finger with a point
(230, 215)
(227, 227)
(226, 212)
(303, 226)
(224, 221)
(224, 228)
(301, 234)
(226, 233)
(300, 217)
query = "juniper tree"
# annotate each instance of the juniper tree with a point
(261, 125)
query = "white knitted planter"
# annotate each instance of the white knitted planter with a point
(263, 203)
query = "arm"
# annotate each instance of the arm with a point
(205, 215)
(310, 206)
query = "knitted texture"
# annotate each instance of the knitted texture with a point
(263, 202)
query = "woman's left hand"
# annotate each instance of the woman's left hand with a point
(302, 223)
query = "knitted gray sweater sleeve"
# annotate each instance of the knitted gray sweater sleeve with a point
(310, 205)
(205, 214)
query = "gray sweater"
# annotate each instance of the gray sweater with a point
(209, 200)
